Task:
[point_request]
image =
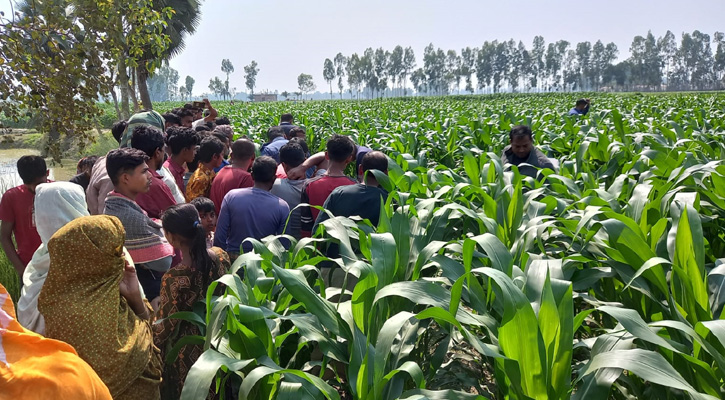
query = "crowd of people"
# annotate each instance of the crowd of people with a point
(139, 235)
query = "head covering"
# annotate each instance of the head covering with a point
(152, 118)
(83, 306)
(225, 129)
(56, 204)
(33, 367)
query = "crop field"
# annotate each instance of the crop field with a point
(602, 280)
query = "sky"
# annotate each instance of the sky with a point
(288, 37)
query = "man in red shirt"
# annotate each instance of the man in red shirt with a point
(340, 152)
(184, 143)
(236, 175)
(159, 197)
(16, 213)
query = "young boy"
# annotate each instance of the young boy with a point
(210, 157)
(183, 143)
(207, 214)
(83, 171)
(16, 213)
(145, 240)
(236, 175)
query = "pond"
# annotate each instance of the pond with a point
(9, 177)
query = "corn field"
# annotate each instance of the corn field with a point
(604, 280)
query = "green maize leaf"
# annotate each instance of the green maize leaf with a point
(201, 374)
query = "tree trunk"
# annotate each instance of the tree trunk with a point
(115, 103)
(132, 91)
(142, 76)
(123, 86)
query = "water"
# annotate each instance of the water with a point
(9, 177)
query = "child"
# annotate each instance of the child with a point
(207, 215)
(210, 157)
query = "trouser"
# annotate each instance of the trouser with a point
(150, 281)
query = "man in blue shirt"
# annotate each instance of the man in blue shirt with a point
(581, 108)
(277, 139)
(287, 123)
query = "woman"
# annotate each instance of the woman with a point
(91, 300)
(56, 204)
(181, 287)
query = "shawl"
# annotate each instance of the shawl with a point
(152, 118)
(145, 240)
(34, 367)
(56, 204)
(83, 306)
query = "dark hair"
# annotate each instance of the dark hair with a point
(274, 132)
(182, 220)
(339, 148)
(286, 118)
(147, 139)
(171, 118)
(179, 138)
(208, 148)
(301, 142)
(292, 154)
(31, 168)
(581, 102)
(375, 160)
(243, 149)
(222, 137)
(264, 169)
(202, 128)
(117, 130)
(519, 131)
(194, 165)
(223, 121)
(89, 162)
(294, 131)
(203, 205)
(121, 161)
(184, 112)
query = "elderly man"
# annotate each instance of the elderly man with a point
(522, 153)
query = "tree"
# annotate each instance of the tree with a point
(328, 72)
(285, 94)
(468, 66)
(419, 80)
(582, 69)
(305, 83)
(408, 66)
(189, 84)
(163, 84)
(538, 64)
(354, 74)
(381, 61)
(250, 77)
(667, 46)
(227, 68)
(719, 39)
(395, 64)
(484, 64)
(340, 64)
(216, 86)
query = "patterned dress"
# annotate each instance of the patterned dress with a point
(182, 287)
(200, 183)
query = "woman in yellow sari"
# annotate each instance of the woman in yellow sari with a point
(91, 300)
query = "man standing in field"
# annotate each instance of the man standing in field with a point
(234, 176)
(522, 153)
(581, 108)
(277, 139)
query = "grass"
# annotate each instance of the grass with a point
(9, 277)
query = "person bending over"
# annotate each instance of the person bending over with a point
(521, 150)
(581, 107)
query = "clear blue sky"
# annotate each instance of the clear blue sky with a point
(288, 37)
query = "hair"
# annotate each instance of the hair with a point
(118, 128)
(301, 142)
(274, 132)
(179, 138)
(121, 161)
(203, 205)
(89, 162)
(581, 102)
(194, 165)
(243, 149)
(375, 160)
(171, 118)
(520, 131)
(188, 106)
(286, 118)
(184, 112)
(226, 130)
(147, 139)
(264, 169)
(340, 147)
(223, 121)
(222, 137)
(202, 128)
(31, 168)
(292, 154)
(208, 148)
(294, 131)
(182, 220)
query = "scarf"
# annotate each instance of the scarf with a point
(145, 240)
(56, 204)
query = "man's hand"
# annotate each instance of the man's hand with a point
(207, 104)
(129, 288)
(297, 173)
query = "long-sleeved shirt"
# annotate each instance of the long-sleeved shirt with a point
(249, 213)
(177, 171)
(536, 159)
(576, 111)
(272, 149)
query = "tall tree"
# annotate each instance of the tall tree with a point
(484, 64)
(395, 66)
(250, 77)
(583, 65)
(227, 68)
(305, 83)
(538, 64)
(454, 66)
(419, 80)
(667, 46)
(408, 67)
(328, 72)
(354, 74)
(340, 63)
(163, 84)
(468, 66)
(367, 70)
(719, 39)
(189, 85)
(216, 85)
(381, 62)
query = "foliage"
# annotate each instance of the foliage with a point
(250, 77)
(305, 83)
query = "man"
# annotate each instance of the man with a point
(16, 213)
(291, 155)
(297, 132)
(100, 184)
(186, 115)
(151, 117)
(234, 176)
(83, 172)
(183, 143)
(145, 240)
(159, 197)
(362, 199)
(171, 119)
(287, 123)
(340, 152)
(277, 139)
(522, 151)
(581, 107)
(208, 117)
(227, 149)
(251, 212)
(210, 157)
